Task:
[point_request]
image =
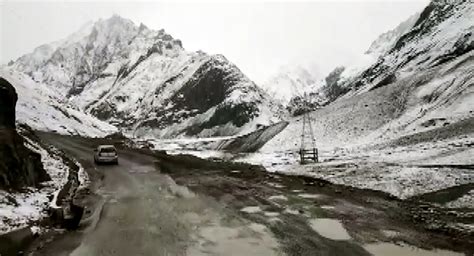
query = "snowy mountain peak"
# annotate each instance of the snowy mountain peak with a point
(143, 81)
(290, 82)
(68, 65)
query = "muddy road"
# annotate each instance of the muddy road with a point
(157, 204)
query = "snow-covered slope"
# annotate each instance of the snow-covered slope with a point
(379, 47)
(443, 32)
(387, 40)
(39, 107)
(144, 82)
(401, 124)
(290, 84)
(423, 86)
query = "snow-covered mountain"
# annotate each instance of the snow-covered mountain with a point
(144, 82)
(413, 107)
(421, 89)
(292, 81)
(387, 40)
(443, 32)
(378, 48)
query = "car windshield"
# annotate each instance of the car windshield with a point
(107, 150)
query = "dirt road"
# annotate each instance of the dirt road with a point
(165, 205)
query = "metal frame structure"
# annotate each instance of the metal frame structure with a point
(308, 153)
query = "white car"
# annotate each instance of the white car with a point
(105, 154)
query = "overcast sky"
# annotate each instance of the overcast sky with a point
(259, 37)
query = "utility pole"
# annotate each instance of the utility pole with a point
(308, 151)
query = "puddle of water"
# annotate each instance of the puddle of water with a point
(330, 228)
(278, 197)
(253, 239)
(292, 211)
(390, 233)
(251, 209)
(274, 219)
(387, 249)
(309, 196)
(271, 214)
(142, 169)
(326, 207)
(259, 228)
(276, 185)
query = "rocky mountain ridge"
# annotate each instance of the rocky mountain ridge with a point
(422, 86)
(145, 83)
(292, 84)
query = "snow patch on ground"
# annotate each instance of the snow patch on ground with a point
(466, 201)
(389, 249)
(18, 210)
(251, 209)
(398, 180)
(395, 169)
(309, 196)
(278, 197)
(84, 179)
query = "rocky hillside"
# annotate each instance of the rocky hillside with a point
(387, 40)
(144, 82)
(41, 108)
(323, 91)
(19, 166)
(442, 33)
(422, 88)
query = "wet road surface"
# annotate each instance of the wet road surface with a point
(148, 205)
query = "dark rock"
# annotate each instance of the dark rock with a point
(298, 105)
(19, 166)
(76, 212)
(389, 79)
(12, 243)
(8, 98)
(116, 136)
(334, 88)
